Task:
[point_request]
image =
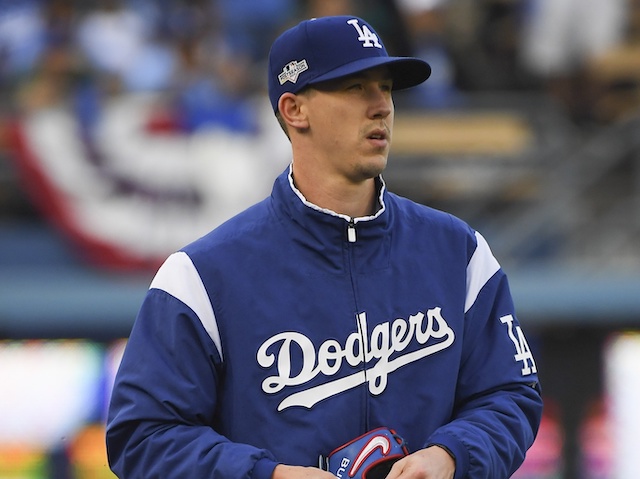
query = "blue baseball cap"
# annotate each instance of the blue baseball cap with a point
(327, 48)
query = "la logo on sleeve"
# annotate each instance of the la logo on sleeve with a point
(523, 352)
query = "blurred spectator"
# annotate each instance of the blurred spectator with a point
(426, 22)
(60, 18)
(22, 37)
(54, 74)
(484, 43)
(615, 73)
(122, 44)
(560, 38)
(251, 25)
(214, 79)
(326, 8)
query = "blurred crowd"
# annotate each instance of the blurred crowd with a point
(209, 55)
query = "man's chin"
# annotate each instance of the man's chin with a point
(372, 169)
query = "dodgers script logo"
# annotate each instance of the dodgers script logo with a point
(385, 345)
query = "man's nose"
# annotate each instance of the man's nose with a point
(381, 103)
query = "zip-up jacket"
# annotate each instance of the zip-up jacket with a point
(290, 330)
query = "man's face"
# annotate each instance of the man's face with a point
(350, 120)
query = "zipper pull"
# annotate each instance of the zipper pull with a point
(351, 231)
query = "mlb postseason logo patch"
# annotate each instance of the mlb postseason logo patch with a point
(292, 70)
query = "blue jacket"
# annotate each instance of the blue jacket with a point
(290, 330)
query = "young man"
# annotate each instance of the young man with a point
(331, 308)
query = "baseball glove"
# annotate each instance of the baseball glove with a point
(369, 456)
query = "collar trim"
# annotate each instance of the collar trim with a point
(381, 189)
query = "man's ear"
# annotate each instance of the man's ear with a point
(292, 111)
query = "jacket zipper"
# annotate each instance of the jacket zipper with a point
(351, 231)
(352, 238)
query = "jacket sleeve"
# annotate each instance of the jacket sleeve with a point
(498, 404)
(164, 400)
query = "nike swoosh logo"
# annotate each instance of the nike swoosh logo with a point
(374, 443)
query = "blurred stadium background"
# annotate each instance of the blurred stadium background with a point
(130, 127)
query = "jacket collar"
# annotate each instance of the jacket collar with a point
(323, 233)
(380, 185)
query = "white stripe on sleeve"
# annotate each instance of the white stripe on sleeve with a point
(179, 278)
(480, 269)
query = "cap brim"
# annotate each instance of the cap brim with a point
(406, 72)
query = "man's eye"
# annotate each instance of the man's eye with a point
(354, 86)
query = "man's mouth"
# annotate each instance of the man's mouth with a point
(378, 135)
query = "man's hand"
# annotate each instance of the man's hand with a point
(430, 463)
(299, 472)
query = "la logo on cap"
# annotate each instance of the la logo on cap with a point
(366, 36)
(292, 70)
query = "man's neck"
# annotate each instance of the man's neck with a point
(339, 195)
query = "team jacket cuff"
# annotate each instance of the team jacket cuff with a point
(454, 447)
(263, 468)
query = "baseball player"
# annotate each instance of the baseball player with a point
(334, 319)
